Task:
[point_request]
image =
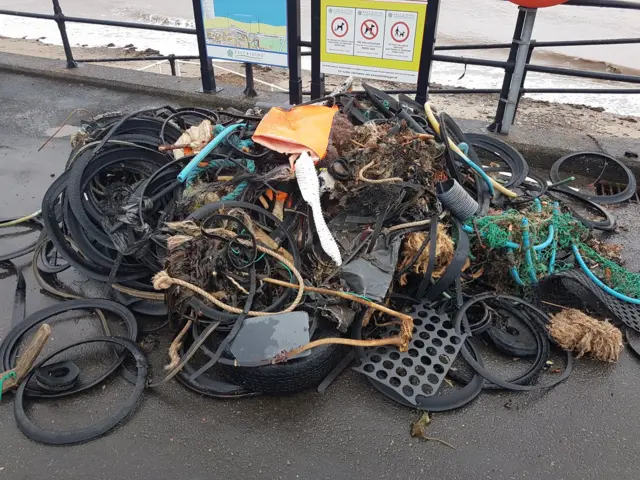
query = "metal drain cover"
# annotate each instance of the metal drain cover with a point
(420, 370)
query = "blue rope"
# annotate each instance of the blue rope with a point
(250, 164)
(599, 282)
(527, 251)
(217, 140)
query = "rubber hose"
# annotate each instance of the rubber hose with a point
(456, 199)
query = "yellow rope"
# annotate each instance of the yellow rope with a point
(18, 221)
(436, 127)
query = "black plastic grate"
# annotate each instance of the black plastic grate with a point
(579, 284)
(420, 370)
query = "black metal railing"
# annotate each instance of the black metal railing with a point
(206, 66)
(509, 66)
(510, 84)
(513, 86)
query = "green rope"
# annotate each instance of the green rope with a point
(6, 377)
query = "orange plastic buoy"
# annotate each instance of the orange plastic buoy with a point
(538, 3)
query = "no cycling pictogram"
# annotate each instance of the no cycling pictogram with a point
(400, 32)
(339, 27)
(369, 29)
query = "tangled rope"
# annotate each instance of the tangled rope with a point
(163, 281)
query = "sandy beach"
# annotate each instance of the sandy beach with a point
(587, 119)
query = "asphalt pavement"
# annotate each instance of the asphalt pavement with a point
(586, 428)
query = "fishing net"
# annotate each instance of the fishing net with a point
(612, 274)
(547, 231)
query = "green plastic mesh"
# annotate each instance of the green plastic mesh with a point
(496, 231)
(612, 274)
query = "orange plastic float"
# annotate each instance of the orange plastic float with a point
(298, 130)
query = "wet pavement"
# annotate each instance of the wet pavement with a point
(586, 428)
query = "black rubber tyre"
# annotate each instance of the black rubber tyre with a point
(292, 376)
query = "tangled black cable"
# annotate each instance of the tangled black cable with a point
(103, 214)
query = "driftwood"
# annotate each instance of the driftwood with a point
(27, 359)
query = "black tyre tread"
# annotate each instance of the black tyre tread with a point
(289, 377)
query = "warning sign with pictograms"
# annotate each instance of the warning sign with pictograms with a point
(369, 40)
(374, 39)
(398, 43)
(399, 32)
(340, 26)
(369, 29)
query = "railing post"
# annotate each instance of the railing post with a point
(519, 68)
(508, 73)
(532, 46)
(172, 64)
(428, 45)
(294, 51)
(206, 67)
(317, 78)
(57, 11)
(249, 90)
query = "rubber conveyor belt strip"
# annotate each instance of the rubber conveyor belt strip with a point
(626, 194)
(9, 346)
(479, 368)
(81, 435)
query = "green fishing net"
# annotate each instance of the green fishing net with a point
(544, 223)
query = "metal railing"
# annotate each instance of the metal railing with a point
(206, 66)
(515, 67)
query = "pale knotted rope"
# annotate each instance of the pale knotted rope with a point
(377, 181)
(162, 281)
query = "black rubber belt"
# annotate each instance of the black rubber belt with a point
(509, 155)
(433, 239)
(479, 368)
(19, 298)
(608, 224)
(537, 329)
(209, 210)
(8, 350)
(58, 239)
(454, 269)
(85, 434)
(626, 194)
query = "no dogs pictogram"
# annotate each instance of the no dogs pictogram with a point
(400, 32)
(369, 29)
(339, 27)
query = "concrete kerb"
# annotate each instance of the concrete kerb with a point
(540, 147)
(186, 90)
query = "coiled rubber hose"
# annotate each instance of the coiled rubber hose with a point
(456, 199)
